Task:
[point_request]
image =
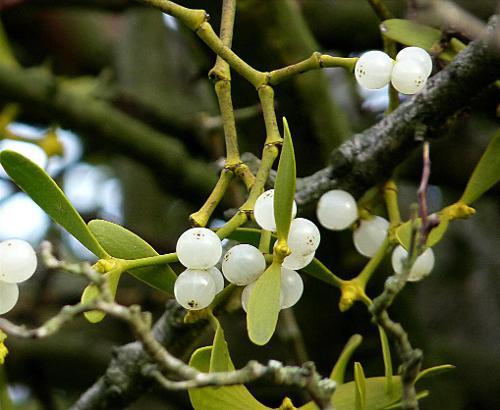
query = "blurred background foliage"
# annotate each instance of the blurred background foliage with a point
(148, 66)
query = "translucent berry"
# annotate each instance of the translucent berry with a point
(420, 269)
(245, 295)
(304, 237)
(9, 293)
(199, 248)
(369, 235)
(17, 261)
(263, 210)
(292, 287)
(243, 264)
(194, 289)
(408, 76)
(417, 54)
(217, 278)
(296, 262)
(337, 210)
(373, 69)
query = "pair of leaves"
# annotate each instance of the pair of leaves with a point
(264, 300)
(485, 175)
(102, 238)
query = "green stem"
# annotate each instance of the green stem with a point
(381, 10)
(317, 60)
(265, 241)
(127, 264)
(391, 50)
(367, 272)
(390, 190)
(266, 96)
(201, 217)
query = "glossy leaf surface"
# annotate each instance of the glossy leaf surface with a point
(42, 189)
(264, 305)
(124, 244)
(284, 187)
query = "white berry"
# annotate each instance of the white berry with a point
(417, 54)
(263, 210)
(17, 261)
(194, 289)
(243, 264)
(421, 268)
(9, 294)
(408, 76)
(217, 278)
(245, 296)
(369, 235)
(337, 210)
(373, 69)
(292, 287)
(199, 248)
(296, 262)
(304, 237)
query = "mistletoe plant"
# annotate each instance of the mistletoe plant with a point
(267, 264)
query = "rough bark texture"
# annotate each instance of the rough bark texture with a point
(370, 157)
(124, 381)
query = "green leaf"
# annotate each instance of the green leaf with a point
(376, 396)
(399, 405)
(217, 398)
(486, 174)
(284, 187)
(403, 232)
(44, 191)
(386, 354)
(410, 33)
(434, 371)
(219, 359)
(321, 272)
(360, 382)
(338, 371)
(91, 292)
(264, 305)
(124, 244)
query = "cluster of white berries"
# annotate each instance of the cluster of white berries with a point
(408, 73)
(337, 210)
(199, 250)
(17, 263)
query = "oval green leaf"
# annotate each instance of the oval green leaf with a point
(284, 187)
(220, 360)
(216, 398)
(91, 292)
(410, 33)
(264, 305)
(486, 174)
(124, 244)
(42, 189)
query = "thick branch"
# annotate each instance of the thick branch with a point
(369, 157)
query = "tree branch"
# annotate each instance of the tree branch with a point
(369, 157)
